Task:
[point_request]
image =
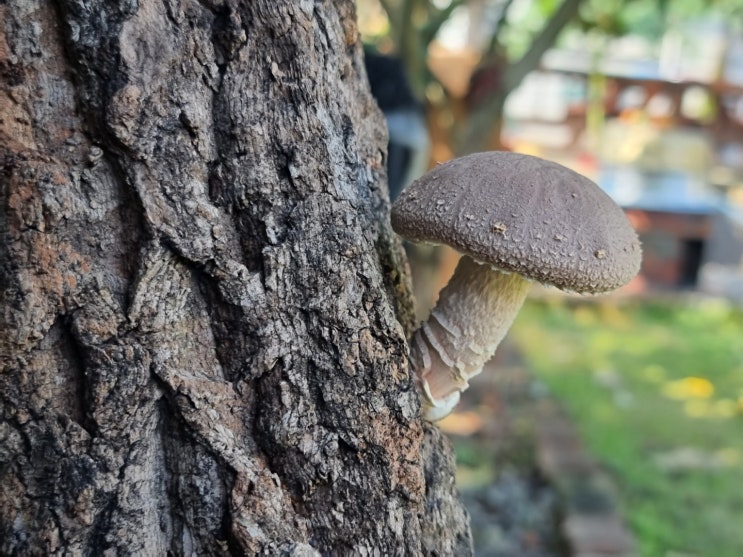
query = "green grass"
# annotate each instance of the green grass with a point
(673, 444)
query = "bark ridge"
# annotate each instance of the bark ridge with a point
(204, 309)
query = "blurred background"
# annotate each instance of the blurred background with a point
(612, 425)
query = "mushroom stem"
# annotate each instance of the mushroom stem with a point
(474, 312)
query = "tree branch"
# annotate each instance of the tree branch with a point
(480, 124)
(497, 28)
(392, 14)
(437, 20)
(516, 72)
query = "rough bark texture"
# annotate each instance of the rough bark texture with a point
(202, 342)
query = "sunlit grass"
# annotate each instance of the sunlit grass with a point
(657, 392)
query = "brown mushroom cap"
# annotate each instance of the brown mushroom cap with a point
(525, 215)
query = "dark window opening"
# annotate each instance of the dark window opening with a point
(691, 259)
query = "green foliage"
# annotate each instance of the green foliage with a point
(657, 392)
(651, 18)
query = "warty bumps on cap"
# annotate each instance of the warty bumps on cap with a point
(525, 215)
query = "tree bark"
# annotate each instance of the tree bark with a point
(204, 310)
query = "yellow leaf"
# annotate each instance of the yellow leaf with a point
(696, 408)
(689, 388)
(724, 408)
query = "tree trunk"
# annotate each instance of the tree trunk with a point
(204, 310)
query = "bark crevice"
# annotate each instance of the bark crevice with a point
(195, 235)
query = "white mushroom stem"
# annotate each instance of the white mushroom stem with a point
(473, 314)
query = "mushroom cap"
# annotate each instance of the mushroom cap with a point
(525, 215)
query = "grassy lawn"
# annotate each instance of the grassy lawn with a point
(657, 392)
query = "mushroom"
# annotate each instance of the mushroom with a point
(515, 219)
